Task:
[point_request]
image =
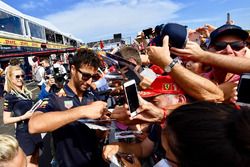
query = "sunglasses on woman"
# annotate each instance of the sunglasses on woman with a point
(87, 76)
(237, 45)
(19, 76)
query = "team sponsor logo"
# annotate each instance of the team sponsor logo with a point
(5, 105)
(44, 103)
(68, 104)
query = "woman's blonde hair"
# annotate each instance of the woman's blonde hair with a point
(9, 83)
(8, 148)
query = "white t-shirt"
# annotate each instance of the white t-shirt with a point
(61, 68)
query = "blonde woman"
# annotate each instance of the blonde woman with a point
(10, 152)
(17, 105)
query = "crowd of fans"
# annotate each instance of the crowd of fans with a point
(188, 114)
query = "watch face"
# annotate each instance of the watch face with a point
(167, 68)
(170, 66)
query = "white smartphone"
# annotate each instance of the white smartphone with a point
(244, 90)
(130, 90)
(36, 105)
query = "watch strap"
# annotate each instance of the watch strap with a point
(169, 67)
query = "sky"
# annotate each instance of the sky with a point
(94, 20)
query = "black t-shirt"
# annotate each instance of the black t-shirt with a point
(155, 136)
(48, 70)
(155, 133)
(75, 144)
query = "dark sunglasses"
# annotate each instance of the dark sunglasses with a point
(19, 76)
(237, 45)
(87, 76)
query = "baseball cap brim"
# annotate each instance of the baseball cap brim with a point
(228, 30)
(148, 93)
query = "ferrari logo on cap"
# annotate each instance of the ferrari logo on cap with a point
(166, 86)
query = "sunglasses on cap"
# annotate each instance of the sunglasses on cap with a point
(19, 76)
(87, 76)
(237, 45)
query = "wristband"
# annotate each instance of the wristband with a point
(21, 118)
(165, 114)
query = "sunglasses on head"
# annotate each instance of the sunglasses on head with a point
(237, 45)
(19, 76)
(87, 76)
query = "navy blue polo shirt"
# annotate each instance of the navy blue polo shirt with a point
(75, 144)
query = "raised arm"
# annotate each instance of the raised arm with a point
(229, 63)
(7, 114)
(50, 121)
(194, 85)
(8, 119)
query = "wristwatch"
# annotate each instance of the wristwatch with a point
(169, 67)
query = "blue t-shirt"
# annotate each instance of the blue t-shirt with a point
(75, 144)
(43, 92)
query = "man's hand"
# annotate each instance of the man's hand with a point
(121, 114)
(95, 110)
(149, 113)
(27, 115)
(110, 150)
(206, 30)
(230, 91)
(160, 55)
(145, 83)
(192, 51)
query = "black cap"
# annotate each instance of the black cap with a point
(158, 29)
(228, 29)
(177, 35)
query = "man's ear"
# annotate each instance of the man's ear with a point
(181, 99)
(72, 68)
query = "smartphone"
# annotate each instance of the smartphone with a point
(130, 90)
(36, 105)
(244, 90)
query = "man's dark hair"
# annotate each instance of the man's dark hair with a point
(209, 134)
(35, 59)
(86, 56)
(14, 62)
